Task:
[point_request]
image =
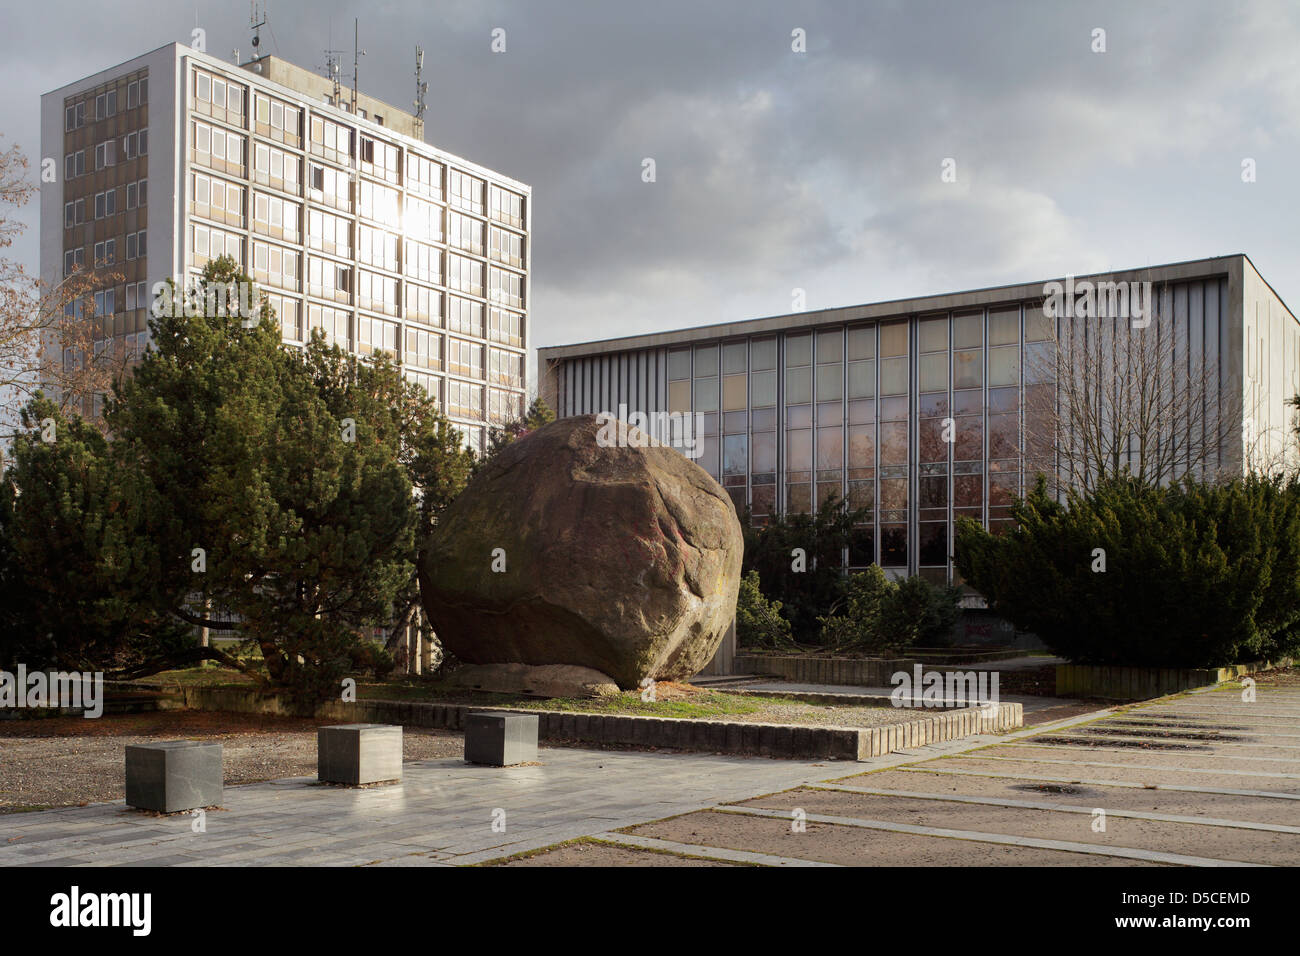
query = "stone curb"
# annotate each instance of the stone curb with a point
(707, 736)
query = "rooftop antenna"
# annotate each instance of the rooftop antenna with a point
(357, 54)
(331, 68)
(256, 20)
(421, 87)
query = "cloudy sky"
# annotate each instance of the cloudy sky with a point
(778, 169)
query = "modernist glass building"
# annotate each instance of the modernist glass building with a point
(923, 410)
(332, 202)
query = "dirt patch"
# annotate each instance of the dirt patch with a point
(71, 761)
(588, 853)
(853, 846)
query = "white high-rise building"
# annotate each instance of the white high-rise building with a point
(332, 202)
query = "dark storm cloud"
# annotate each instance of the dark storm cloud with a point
(778, 170)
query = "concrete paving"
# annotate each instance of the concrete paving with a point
(1034, 796)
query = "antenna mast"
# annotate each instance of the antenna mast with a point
(357, 54)
(256, 20)
(421, 87)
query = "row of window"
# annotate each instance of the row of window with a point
(104, 203)
(224, 150)
(106, 104)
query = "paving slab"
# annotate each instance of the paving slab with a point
(1188, 839)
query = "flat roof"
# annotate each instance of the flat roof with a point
(942, 302)
(302, 97)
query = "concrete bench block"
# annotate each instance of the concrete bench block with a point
(501, 740)
(173, 775)
(359, 753)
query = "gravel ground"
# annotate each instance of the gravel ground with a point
(604, 854)
(827, 715)
(71, 761)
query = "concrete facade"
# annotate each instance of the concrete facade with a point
(864, 402)
(348, 220)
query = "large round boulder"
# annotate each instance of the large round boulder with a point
(585, 543)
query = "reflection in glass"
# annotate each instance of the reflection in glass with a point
(733, 392)
(762, 389)
(893, 546)
(798, 385)
(968, 369)
(764, 451)
(862, 343)
(798, 450)
(893, 443)
(798, 350)
(830, 448)
(893, 376)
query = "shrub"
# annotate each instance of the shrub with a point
(880, 615)
(808, 586)
(1195, 575)
(758, 621)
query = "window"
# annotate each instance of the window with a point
(218, 148)
(377, 292)
(329, 233)
(331, 140)
(423, 348)
(376, 335)
(505, 327)
(424, 176)
(464, 358)
(74, 164)
(423, 220)
(379, 203)
(376, 247)
(275, 167)
(465, 233)
(136, 193)
(505, 368)
(135, 247)
(506, 247)
(506, 288)
(330, 186)
(329, 279)
(106, 204)
(288, 312)
(423, 305)
(106, 154)
(334, 323)
(464, 316)
(465, 191)
(73, 259)
(423, 262)
(277, 120)
(275, 266)
(219, 97)
(507, 207)
(464, 399)
(106, 105)
(207, 242)
(276, 216)
(379, 159)
(217, 199)
(132, 95)
(465, 275)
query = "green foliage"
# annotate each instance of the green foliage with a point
(884, 616)
(75, 552)
(539, 414)
(1195, 575)
(309, 479)
(806, 589)
(758, 621)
